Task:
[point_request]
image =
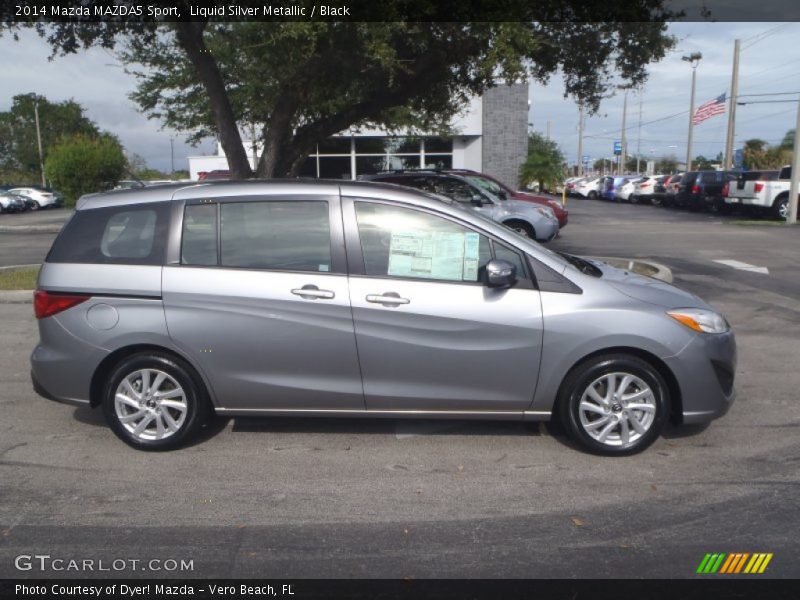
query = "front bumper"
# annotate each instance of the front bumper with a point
(705, 371)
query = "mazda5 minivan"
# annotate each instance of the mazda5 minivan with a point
(164, 305)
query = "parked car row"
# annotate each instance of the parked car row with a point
(761, 192)
(20, 199)
(536, 217)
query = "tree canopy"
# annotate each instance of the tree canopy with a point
(19, 153)
(300, 82)
(81, 164)
(757, 154)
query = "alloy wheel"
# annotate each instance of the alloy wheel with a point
(617, 409)
(150, 404)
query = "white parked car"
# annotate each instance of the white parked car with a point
(41, 199)
(623, 192)
(589, 188)
(644, 189)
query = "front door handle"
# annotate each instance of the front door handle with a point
(387, 299)
(312, 292)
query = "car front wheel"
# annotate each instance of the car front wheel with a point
(614, 405)
(154, 401)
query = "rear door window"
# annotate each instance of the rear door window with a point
(127, 235)
(281, 235)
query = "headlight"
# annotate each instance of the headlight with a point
(698, 319)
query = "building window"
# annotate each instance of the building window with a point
(348, 157)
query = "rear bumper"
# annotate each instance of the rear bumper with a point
(44, 393)
(705, 372)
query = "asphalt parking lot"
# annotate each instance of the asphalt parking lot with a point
(385, 498)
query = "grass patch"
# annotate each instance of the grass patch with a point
(19, 279)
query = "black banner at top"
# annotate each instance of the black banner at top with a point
(397, 10)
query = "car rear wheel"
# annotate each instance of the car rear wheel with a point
(614, 405)
(154, 401)
(781, 208)
(592, 195)
(35, 205)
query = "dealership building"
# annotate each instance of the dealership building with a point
(489, 136)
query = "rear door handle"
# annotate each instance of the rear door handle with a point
(387, 299)
(312, 292)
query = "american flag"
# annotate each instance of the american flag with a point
(709, 109)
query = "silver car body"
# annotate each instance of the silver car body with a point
(453, 350)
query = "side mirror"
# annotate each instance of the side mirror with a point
(500, 273)
(476, 200)
(502, 195)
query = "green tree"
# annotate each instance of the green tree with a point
(19, 153)
(543, 164)
(701, 163)
(788, 140)
(300, 82)
(754, 153)
(667, 165)
(81, 164)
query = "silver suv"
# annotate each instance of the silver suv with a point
(166, 304)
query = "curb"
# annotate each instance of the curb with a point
(638, 266)
(16, 297)
(30, 228)
(14, 267)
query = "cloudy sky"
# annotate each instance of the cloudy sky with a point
(770, 62)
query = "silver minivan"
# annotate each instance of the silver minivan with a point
(167, 304)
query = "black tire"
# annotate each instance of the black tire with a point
(780, 208)
(589, 372)
(592, 195)
(35, 205)
(522, 227)
(198, 406)
(656, 201)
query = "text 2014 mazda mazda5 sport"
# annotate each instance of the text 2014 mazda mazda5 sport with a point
(165, 304)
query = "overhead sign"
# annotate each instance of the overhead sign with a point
(618, 147)
(738, 158)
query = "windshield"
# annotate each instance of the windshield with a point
(485, 184)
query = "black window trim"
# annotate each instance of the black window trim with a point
(337, 245)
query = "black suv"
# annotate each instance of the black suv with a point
(703, 189)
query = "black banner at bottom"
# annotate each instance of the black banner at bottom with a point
(419, 589)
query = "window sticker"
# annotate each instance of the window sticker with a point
(434, 255)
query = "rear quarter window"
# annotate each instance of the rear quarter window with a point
(123, 235)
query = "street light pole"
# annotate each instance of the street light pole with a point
(791, 217)
(622, 165)
(693, 59)
(732, 112)
(39, 140)
(580, 140)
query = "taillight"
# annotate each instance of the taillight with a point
(725, 189)
(695, 189)
(644, 185)
(759, 186)
(46, 304)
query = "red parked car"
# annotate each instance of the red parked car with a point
(496, 187)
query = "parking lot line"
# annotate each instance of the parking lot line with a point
(743, 266)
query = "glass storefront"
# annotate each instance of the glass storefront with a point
(349, 157)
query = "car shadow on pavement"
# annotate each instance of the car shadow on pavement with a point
(400, 427)
(672, 432)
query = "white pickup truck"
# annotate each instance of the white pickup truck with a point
(762, 191)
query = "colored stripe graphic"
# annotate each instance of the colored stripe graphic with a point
(722, 563)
